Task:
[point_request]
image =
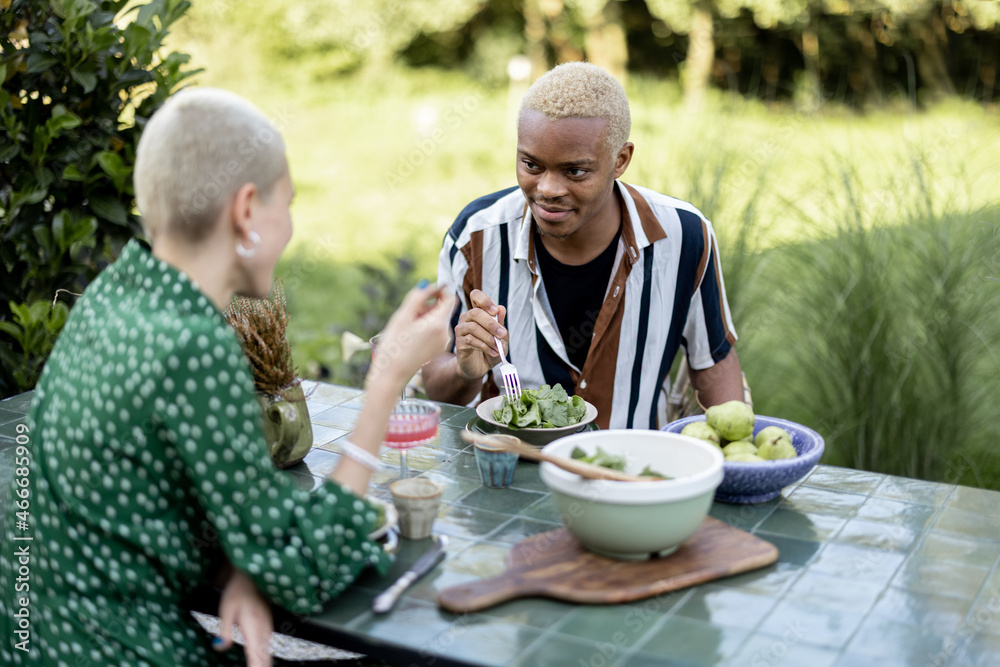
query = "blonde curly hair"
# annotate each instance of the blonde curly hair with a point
(582, 90)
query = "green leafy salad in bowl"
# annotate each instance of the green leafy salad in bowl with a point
(540, 416)
(545, 407)
(612, 462)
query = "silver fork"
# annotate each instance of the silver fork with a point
(511, 382)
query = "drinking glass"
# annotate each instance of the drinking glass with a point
(412, 423)
(374, 340)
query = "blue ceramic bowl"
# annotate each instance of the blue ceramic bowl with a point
(759, 482)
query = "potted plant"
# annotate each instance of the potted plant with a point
(260, 325)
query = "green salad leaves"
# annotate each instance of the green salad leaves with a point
(600, 458)
(545, 407)
(612, 461)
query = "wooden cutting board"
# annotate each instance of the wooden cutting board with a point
(555, 565)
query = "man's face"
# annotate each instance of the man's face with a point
(566, 172)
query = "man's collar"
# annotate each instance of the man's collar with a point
(637, 220)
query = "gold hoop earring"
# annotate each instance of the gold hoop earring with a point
(247, 253)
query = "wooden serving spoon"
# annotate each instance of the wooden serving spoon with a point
(515, 445)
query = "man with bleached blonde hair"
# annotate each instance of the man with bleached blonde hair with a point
(582, 90)
(593, 284)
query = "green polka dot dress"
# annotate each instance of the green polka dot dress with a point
(148, 468)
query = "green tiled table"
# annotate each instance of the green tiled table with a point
(874, 570)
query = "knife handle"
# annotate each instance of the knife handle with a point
(387, 599)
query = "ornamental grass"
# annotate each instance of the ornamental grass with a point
(260, 326)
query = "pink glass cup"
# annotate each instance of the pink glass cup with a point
(412, 423)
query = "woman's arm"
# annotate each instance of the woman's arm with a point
(417, 331)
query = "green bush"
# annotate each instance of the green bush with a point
(885, 338)
(79, 80)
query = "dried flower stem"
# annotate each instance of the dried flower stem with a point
(260, 325)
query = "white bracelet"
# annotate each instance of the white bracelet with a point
(355, 453)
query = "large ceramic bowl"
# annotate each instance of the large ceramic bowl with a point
(760, 482)
(635, 520)
(533, 436)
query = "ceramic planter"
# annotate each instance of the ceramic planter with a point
(287, 428)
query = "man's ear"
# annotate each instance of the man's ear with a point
(241, 216)
(623, 158)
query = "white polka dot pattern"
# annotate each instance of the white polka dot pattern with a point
(149, 468)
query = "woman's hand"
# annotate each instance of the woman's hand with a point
(419, 330)
(243, 605)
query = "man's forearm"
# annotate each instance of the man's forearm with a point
(719, 383)
(443, 382)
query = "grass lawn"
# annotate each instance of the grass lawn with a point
(829, 301)
(383, 162)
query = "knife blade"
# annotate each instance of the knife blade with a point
(385, 601)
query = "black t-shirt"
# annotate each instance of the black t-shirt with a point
(576, 294)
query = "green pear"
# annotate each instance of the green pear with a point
(733, 420)
(702, 431)
(744, 458)
(772, 434)
(778, 449)
(739, 447)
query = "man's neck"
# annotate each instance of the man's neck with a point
(592, 240)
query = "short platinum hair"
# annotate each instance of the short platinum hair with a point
(196, 151)
(582, 90)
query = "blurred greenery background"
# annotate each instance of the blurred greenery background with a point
(847, 153)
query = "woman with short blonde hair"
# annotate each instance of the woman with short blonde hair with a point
(149, 469)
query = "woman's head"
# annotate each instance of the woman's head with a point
(214, 190)
(194, 155)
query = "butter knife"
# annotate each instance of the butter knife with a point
(385, 601)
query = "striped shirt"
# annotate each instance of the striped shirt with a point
(665, 292)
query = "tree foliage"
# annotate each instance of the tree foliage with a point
(859, 52)
(345, 34)
(79, 80)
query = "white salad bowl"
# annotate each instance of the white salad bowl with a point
(533, 436)
(636, 520)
